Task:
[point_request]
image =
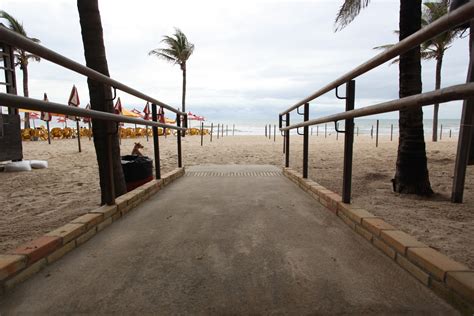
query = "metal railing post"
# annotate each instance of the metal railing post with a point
(466, 132)
(305, 141)
(156, 144)
(287, 142)
(348, 144)
(178, 122)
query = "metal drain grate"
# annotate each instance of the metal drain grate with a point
(233, 174)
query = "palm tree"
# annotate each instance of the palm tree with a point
(22, 57)
(411, 175)
(100, 99)
(178, 51)
(434, 48)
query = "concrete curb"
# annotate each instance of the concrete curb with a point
(449, 279)
(23, 262)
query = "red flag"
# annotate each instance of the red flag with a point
(146, 110)
(45, 116)
(118, 106)
(118, 109)
(73, 101)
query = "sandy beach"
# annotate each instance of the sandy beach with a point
(38, 201)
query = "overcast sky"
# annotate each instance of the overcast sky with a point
(252, 59)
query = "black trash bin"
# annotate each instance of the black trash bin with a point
(137, 170)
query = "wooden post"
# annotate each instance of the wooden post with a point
(266, 134)
(90, 129)
(391, 132)
(377, 134)
(212, 127)
(441, 132)
(78, 135)
(372, 132)
(227, 130)
(222, 130)
(218, 131)
(325, 130)
(449, 133)
(233, 129)
(337, 133)
(274, 133)
(317, 130)
(202, 133)
(49, 133)
(357, 130)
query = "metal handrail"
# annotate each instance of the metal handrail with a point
(15, 101)
(22, 42)
(452, 93)
(448, 21)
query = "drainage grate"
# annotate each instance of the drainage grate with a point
(233, 174)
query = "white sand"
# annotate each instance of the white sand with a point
(36, 202)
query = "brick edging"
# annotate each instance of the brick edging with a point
(23, 262)
(449, 279)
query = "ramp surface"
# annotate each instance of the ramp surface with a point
(226, 240)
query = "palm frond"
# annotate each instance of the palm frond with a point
(13, 23)
(178, 48)
(348, 11)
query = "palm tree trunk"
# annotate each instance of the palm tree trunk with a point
(411, 176)
(183, 98)
(439, 64)
(100, 96)
(26, 93)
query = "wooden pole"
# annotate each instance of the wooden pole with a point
(449, 133)
(372, 132)
(212, 127)
(227, 130)
(274, 133)
(222, 130)
(49, 134)
(325, 130)
(357, 130)
(317, 130)
(266, 134)
(146, 132)
(441, 132)
(233, 129)
(90, 129)
(377, 135)
(391, 132)
(218, 132)
(78, 135)
(202, 133)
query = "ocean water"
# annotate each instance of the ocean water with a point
(362, 126)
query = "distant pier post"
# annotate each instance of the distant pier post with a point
(391, 132)
(377, 134)
(266, 134)
(202, 133)
(218, 131)
(441, 132)
(212, 127)
(325, 130)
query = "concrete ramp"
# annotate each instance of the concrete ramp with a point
(226, 240)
